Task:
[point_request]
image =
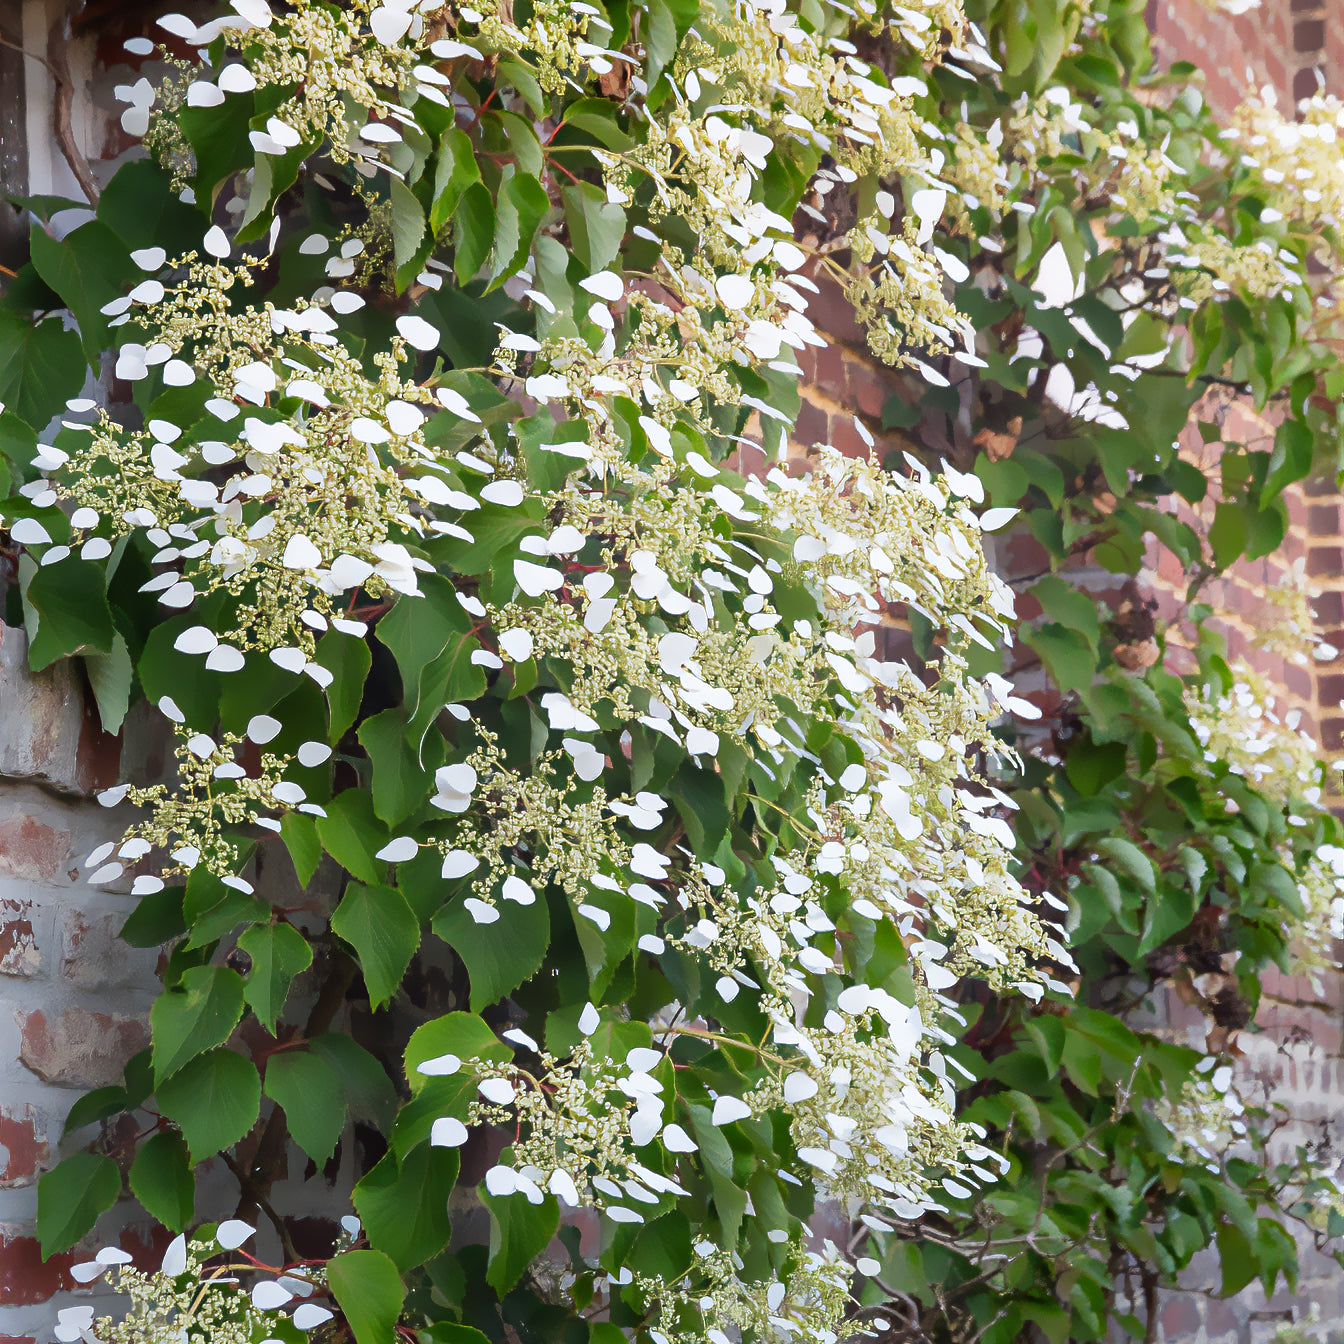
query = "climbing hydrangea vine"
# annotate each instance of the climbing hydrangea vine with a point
(451, 530)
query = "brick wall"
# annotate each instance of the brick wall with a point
(72, 1001)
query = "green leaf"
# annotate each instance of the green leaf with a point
(219, 139)
(462, 1034)
(70, 601)
(347, 659)
(1294, 449)
(87, 268)
(41, 367)
(596, 228)
(500, 956)
(110, 678)
(1130, 859)
(1068, 656)
(96, 1105)
(141, 206)
(408, 228)
(197, 1015)
(1236, 1257)
(454, 171)
(519, 1232)
(1068, 607)
(400, 782)
(71, 1196)
(162, 1180)
(352, 835)
(213, 1100)
(309, 1090)
(368, 1289)
(279, 952)
(700, 802)
(299, 833)
(1227, 535)
(415, 633)
(367, 1089)
(381, 927)
(473, 231)
(156, 920)
(404, 1206)
(523, 204)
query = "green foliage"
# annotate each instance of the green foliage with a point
(498, 686)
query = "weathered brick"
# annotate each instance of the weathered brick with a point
(32, 850)
(26, 1278)
(93, 955)
(811, 426)
(24, 1151)
(1180, 1316)
(42, 715)
(79, 1048)
(19, 952)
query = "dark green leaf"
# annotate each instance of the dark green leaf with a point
(88, 268)
(309, 1090)
(519, 1232)
(71, 1196)
(523, 204)
(368, 1289)
(110, 678)
(213, 1099)
(194, 1017)
(162, 1180)
(462, 1034)
(404, 1205)
(454, 171)
(500, 956)
(473, 231)
(279, 952)
(70, 601)
(380, 926)
(41, 367)
(367, 1089)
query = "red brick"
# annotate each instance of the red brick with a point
(24, 1151)
(19, 953)
(79, 1048)
(25, 1278)
(1180, 1316)
(868, 390)
(31, 850)
(811, 426)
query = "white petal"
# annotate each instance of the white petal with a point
(677, 1140)
(233, 1232)
(605, 285)
(448, 1132)
(300, 553)
(29, 532)
(517, 644)
(734, 291)
(515, 889)
(217, 242)
(262, 728)
(236, 79)
(400, 850)
(458, 863)
(418, 332)
(225, 659)
(537, 579)
(268, 1295)
(728, 1109)
(196, 639)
